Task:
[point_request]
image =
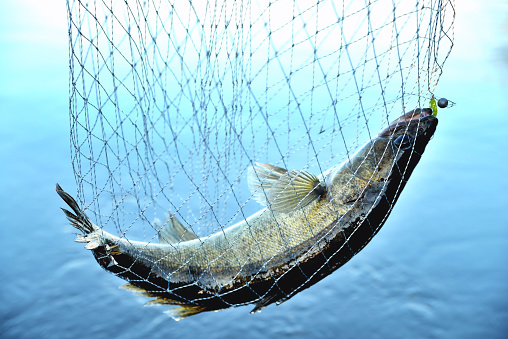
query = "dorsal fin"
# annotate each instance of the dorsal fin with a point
(263, 302)
(184, 311)
(173, 231)
(136, 290)
(283, 190)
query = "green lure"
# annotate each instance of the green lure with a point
(433, 105)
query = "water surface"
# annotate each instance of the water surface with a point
(438, 268)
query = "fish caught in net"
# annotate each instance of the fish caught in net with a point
(237, 152)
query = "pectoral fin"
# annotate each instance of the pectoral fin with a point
(282, 190)
(261, 178)
(173, 231)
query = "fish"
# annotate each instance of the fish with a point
(309, 227)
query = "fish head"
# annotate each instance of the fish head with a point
(396, 149)
(400, 145)
(405, 136)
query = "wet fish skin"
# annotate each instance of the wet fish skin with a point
(272, 255)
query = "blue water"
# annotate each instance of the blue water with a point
(437, 269)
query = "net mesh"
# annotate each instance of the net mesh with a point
(172, 101)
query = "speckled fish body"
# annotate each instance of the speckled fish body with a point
(302, 235)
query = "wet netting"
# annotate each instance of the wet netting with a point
(172, 103)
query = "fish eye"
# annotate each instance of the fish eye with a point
(404, 142)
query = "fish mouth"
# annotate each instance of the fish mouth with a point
(413, 115)
(421, 116)
(427, 126)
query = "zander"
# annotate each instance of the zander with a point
(311, 226)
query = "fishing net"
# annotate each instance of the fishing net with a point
(171, 102)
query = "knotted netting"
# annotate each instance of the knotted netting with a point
(171, 102)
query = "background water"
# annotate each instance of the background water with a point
(438, 268)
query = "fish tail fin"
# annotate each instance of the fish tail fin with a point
(78, 219)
